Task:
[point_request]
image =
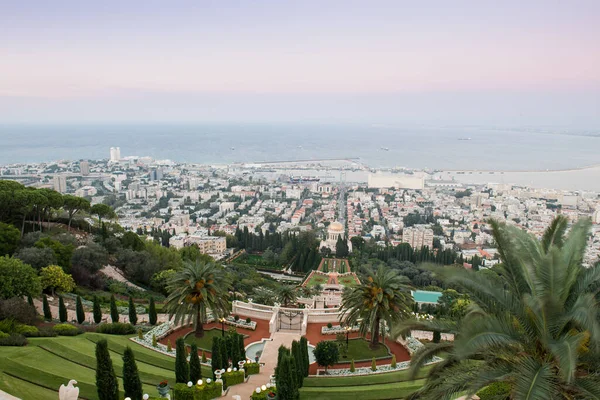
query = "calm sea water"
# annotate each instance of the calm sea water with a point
(220, 143)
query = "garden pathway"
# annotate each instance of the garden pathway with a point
(6, 396)
(269, 358)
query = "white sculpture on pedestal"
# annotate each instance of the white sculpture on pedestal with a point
(68, 392)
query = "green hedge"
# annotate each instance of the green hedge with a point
(263, 394)
(116, 328)
(233, 378)
(252, 368)
(205, 392)
(495, 391)
(66, 330)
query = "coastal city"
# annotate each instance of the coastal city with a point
(202, 204)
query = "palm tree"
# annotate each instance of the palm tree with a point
(286, 294)
(195, 290)
(535, 327)
(383, 296)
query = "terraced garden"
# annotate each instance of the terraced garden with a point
(391, 385)
(36, 371)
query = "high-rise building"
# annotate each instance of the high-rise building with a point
(84, 167)
(418, 237)
(115, 154)
(156, 174)
(60, 183)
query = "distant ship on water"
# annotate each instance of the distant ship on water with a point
(298, 179)
(467, 138)
(385, 148)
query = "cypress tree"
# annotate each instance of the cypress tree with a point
(286, 389)
(235, 349)
(30, 300)
(152, 318)
(131, 378)
(182, 369)
(229, 346)
(46, 307)
(299, 361)
(215, 353)
(224, 355)
(62, 310)
(132, 312)
(97, 311)
(106, 379)
(79, 311)
(114, 312)
(281, 353)
(242, 348)
(437, 336)
(305, 358)
(195, 369)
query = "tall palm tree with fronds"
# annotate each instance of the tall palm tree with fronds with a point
(535, 328)
(383, 296)
(194, 291)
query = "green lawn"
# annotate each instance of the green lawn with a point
(359, 380)
(316, 280)
(205, 342)
(347, 280)
(36, 371)
(360, 350)
(396, 390)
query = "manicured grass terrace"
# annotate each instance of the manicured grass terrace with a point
(205, 342)
(360, 350)
(36, 371)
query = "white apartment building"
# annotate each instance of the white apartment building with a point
(115, 154)
(59, 183)
(418, 237)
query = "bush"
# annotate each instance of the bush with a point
(495, 391)
(27, 330)
(252, 368)
(3, 335)
(19, 310)
(43, 332)
(233, 378)
(236, 318)
(66, 330)
(154, 341)
(205, 392)
(8, 325)
(116, 328)
(248, 320)
(329, 325)
(352, 367)
(394, 364)
(13, 340)
(373, 365)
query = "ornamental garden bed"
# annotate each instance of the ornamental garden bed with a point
(360, 350)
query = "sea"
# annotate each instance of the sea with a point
(377, 146)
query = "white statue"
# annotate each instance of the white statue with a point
(68, 392)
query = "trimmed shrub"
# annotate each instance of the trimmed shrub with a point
(106, 379)
(169, 348)
(437, 336)
(140, 334)
(352, 368)
(131, 377)
(207, 391)
(154, 341)
(252, 368)
(233, 378)
(394, 364)
(46, 307)
(248, 320)
(79, 311)
(66, 330)
(495, 391)
(204, 359)
(116, 328)
(182, 369)
(97, 310)
(13, 340)
(152, 317)
(236, 318)
(27, 330)
(195, 370)
(62, 310)
(216, 362)
(305, 359)
(329, 325)
(132, 312)
(42, 332)
(263, 394)
(373, 365)
(114, 311)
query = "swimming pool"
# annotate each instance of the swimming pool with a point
(255, 349)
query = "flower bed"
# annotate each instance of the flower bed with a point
(240, 323)
(160, 331)
(335, 329)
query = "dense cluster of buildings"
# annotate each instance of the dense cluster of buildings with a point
(199, 204)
